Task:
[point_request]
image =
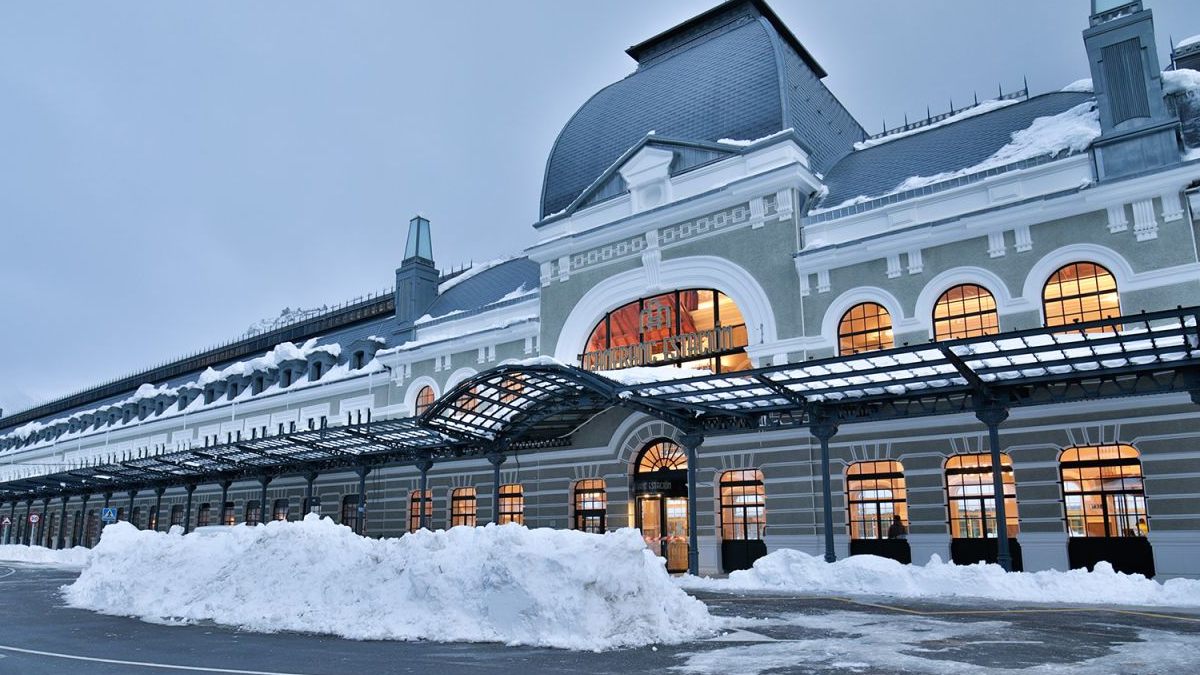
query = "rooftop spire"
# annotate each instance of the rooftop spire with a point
(419, 244)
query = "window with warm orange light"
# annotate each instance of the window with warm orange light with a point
(972, 496)
(876, 495)
(1103, 491)
(865, 327)
(964, 311)
(1080, 292)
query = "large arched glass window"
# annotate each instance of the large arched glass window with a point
(876, 494)
(252, 512)
(662, 455)
(425, 399)
(176, 514)
(280, 509)
(350, 513)
(743, 505)
(418, 501)
(865, 327)
(204, 515)
(972, 497)
(964, 311)
(693, 328)
(512, 504)
(591, 503)
(1103, 492)
(228, 517)
(462, 507)
(1078, 292)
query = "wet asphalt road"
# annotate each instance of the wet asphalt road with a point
(782, 634)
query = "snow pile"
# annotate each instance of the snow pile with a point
(554, 588)
(67, 557)
(984, 107)
(1187, 42)
(1083, 86)
(790, 570)
(1182, 81)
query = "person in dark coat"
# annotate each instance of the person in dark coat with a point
(897, 530)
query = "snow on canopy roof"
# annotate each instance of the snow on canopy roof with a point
(880, 169)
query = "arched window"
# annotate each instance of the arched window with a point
(176, 514)
(228, 517)
(1078, 292)
(152, 520)
(1103, 492)
(135, 517)
(350, 513)
(425, 399)
(591, 503)
(865, 327)
(356, 360)
(512, 504)
(280, 509)
(253, 512)
(417, 501)
(692, 328)
(662, 455)
(964, 311)
(462, 507)
(972, 497)
(743, 505)
(204, 515)
(876, 493)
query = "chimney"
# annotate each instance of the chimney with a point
(1137, 132)
(416, 278)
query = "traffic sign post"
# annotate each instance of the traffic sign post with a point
(108, 514)
(34, 518)
(5, 528)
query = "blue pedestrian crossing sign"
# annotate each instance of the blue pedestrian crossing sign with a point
(108, 515)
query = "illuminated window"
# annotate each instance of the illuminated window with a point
(280, 509)
(350, 513)
(204, 515)
(972, 497)
(662, 455)
(965, 311)
(591, 503)
(415, 504)
(227, 514)
(152, 521)
(876, 495)
(253, 512)
(865, 327)
(1078, 292)
(694, 328)
(462, 507)
(743, 505)
(1103, 492)
(176, 514)
(512, 504)
(425, 399)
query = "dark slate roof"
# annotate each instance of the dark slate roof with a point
(879, 169)
(487, 287)
(730, 76)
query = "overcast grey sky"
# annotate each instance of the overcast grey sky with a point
(171, 172)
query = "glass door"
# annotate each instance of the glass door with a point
(676, 534)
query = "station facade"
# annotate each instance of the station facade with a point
(718, 210)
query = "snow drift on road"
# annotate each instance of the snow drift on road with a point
(789, 570)
(67, 557)
(555, 588)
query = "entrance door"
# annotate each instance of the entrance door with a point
(663, 522)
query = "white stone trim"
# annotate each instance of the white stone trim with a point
(842, 303)
(966, 274)
(459, 376)
(410, 394)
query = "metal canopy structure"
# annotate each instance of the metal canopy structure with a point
(542, 403)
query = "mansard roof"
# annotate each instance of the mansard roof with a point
(729, 74)
(498, 283)
(878, 170)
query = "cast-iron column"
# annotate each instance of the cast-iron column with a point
(309, 479)
(103, 524)
(12, 527)
(496, 458)
(824, 429)
(158, 495)
(690, 443)
(360, 514)
(62, 524)
(187, 511)
(80, 529)
(129, 514)
(423, 465)
(28, 526)
(993, 415)
(224, 499)
(262, 502)
(43, 531)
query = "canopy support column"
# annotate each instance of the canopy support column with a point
(496, 458)
(158, 495)
(360, 513)
(43, 528)
(423, 465)
(824, 429)
(993, 415)
(262, 501)
(309, 479)
(187, 510)
(107, 499)
(690, 443)
(224, 499)
(25, 538)
(80, 529)
(129, 514)
(12, 516)
(62, 524)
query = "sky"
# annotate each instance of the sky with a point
(171, 172)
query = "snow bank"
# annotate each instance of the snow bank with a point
(790, 570)
(67, 557)
(554, 588)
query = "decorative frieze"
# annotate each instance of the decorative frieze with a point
(732, 216)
